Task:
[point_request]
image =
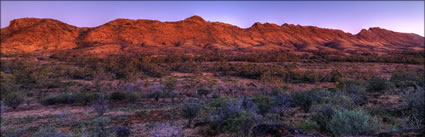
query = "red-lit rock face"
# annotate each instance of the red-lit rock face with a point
(195, 34)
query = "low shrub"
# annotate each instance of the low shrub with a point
(307, 125)
(124, 96)
(99, 126)
(132, 97)
(338, 101)
(355, 90)
(154, 70)
(156, 95)
(166, 130)
(240, 124)
(377, 84)
(305, 99)
(311, 77)
(82, 98)
(236, 116)
(407, 79)
(416, 108)
(121, 131)
(13, 100)
(264, 104)
(118, 96)
(351, 86)
(352, 123)
(283, 100)
(49, 132)
(335, 76)
(322, 116)
(7, 84)
(203, 92)
(189, 67)
(60, 99)
(13, 133)
(190, 111)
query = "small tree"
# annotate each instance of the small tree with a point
(13, 100)
(156, 95)
(170, 84)
(190, 111)
(100, 104)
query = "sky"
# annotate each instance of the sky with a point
(349, 16)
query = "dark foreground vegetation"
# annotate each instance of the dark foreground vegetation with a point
(246, 95)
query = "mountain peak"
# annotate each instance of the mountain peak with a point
(195, 18)
(257, 25)
(23, 22)
(378, 29)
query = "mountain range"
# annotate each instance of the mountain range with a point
(194, 35)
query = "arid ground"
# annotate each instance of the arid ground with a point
(158, 96)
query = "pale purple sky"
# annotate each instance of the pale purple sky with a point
(349, 16)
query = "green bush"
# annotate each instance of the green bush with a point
(311, 77)
(132, 97)
(189, 67)
(124, 96)
(335, 75)
(352, 123)
(34, 75)
(13, 100)
(416, 108)
(377, 84)
(121, 131)
(118, 96)
(154, 70)
(7, 83)
(190, 111)
(156, 95)
(60, 99)
(305, 99)
(406, 79)
(234, 116)
(240, 124)
(351, 86)
(307, 125)
(170, 84)
(338, 101)
(355, 90)
(203, 92)
(264, 104)
(99, 127)
(322, 117)
(49, 132)
(83, 98)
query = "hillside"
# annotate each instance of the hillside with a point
(194, 35)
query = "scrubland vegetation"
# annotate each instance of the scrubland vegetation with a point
(247, 95)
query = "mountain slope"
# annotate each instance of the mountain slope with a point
(32, 34)
(195, 35)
